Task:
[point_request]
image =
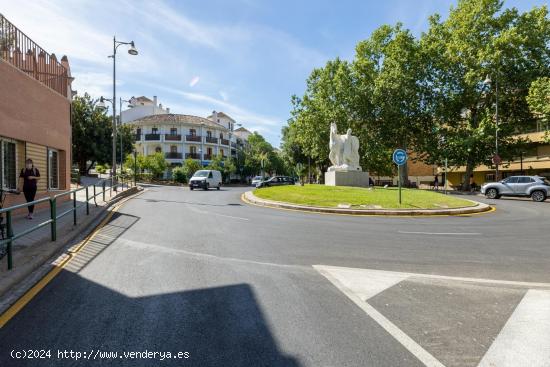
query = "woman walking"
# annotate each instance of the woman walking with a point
(27, 180)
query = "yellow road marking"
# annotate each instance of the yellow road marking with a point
(243, 198)
(71, 254)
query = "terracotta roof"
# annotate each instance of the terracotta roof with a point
(143, 99)
(172, 118)
(221, 114)
(243, 129)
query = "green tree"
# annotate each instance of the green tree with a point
(91, 133)
(480, 38)
(126, 131)
(156, 164)
(539, 102)
(178, 174)
(190, 166)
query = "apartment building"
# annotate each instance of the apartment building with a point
(35, 112)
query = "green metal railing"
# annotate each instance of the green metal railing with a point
(116, 182)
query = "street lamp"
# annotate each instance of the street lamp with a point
(132, 51)
(496, 158)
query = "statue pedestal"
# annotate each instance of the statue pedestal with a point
(347, 178)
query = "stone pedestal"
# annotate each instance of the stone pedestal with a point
(347, 178)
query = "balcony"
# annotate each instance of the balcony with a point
(173, 155)
(224, 142)
(207, 157)
(192, 138)
(137, 137)
(152, 137)
(192, 155)
(233, 145)
(172, 137)
(210, 139)
(20, 51)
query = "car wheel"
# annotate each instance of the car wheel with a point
(190, 188)
(538, 196)
(492, 194)
(218, 187)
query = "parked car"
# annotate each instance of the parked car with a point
(538, 188)
(257, 179)
(205, 179)
(276, 181)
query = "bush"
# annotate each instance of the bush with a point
(178, 174)
(99, 168)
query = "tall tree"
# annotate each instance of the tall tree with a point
(479, 38)
(91, 133)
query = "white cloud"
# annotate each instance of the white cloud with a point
(194, 81)
(224, 95)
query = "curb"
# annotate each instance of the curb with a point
(250, 198)
(27, 275)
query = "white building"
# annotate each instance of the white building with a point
(142, 106)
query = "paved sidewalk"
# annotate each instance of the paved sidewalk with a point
(31, 251)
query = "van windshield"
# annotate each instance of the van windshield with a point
(201, 174)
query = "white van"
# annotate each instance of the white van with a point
(205, 179)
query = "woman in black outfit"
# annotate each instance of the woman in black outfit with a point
(28, 177)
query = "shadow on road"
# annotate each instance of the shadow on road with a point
(221, 326)
(185, 202)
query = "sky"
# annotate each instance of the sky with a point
(243, 57)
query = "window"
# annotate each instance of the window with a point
(192, 132)
(511, 180)
(53, 169)
(8, 177)
(192, 149)
(209, 151)
(209, 134)
(221, 152)
(221, 135)
(154, 130)
(173, 149)
(525, 180)
(173, 131)
(138, 132)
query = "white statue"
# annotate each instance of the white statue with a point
(344, 151)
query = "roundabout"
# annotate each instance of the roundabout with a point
(361, 201)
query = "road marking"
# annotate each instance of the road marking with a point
(443, 233)
(57, 267)
(443, 277)
(525, 338)
(413, 347)
(214, 213)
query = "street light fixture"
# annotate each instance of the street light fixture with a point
(132, 51)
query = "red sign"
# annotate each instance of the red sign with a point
(497, 159)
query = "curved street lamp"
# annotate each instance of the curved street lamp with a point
(132, 51)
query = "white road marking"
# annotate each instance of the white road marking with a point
(444, 233)
(386, 324)
(213, 213)
(525, 338)
(444, 277)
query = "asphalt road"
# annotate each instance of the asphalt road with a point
(234, 285)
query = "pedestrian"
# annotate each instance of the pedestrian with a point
(28, 178)
(436, 182)
(472, 183)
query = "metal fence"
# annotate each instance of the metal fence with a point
(22, 52)
(92, 192)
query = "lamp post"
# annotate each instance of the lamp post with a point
(132, 51)
(496, 158)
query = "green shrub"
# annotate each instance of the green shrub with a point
(99, 168)
(178, 174)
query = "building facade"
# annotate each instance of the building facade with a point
(180, 137)
(534, 160)
(35, 113)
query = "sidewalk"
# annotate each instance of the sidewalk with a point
(34, 249)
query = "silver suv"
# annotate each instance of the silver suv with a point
(538, 188)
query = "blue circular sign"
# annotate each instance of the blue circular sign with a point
(399, 157)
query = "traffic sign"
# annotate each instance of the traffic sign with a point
(399, 157)
(496, 159)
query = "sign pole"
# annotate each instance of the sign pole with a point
(399, 182)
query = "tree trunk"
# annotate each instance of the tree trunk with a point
(469, 172)
(89, 167)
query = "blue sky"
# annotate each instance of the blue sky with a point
(243, 57)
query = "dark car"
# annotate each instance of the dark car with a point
(276, 181)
